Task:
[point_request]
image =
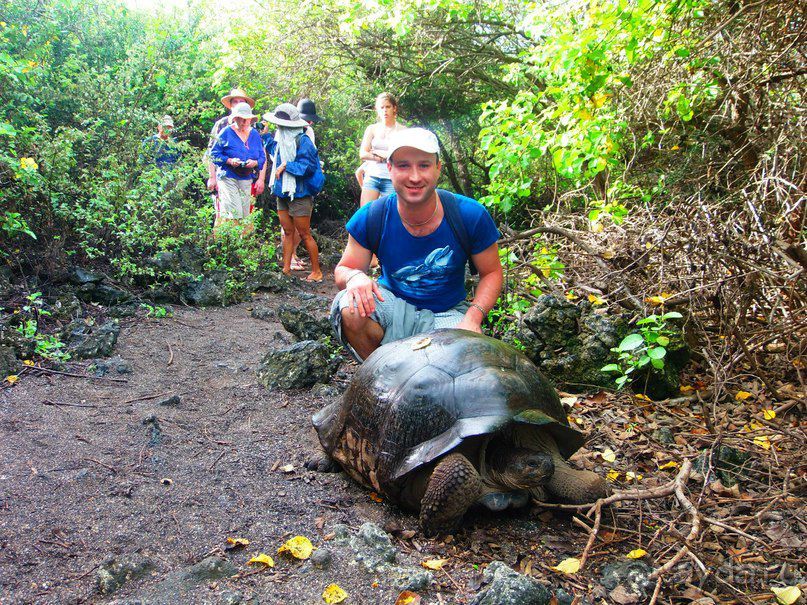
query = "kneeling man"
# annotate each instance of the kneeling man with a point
(423, 238)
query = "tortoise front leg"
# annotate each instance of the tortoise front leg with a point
(453, 487)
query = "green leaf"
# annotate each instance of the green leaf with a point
(630, 342)
(643, 361)
(657, 353)
(611, 367)
(663, 341)
(672, 315)
(657, 363)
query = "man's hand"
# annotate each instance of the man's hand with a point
(252, 163)
(212, 184)
(359, 290)
(280, 170)
(259, 186)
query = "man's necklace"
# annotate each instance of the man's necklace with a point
(428, 220)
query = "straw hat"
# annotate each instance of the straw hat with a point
(237, 93)
(241, 110)
(285, 114)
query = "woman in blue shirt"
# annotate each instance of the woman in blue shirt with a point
(296, 178)
(239, 155)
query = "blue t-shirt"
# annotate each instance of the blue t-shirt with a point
(427, 271)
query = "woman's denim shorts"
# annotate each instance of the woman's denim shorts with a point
(383, 186)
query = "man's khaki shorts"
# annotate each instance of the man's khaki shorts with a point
(299, 206)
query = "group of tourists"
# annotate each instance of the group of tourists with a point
(241, 156)
(422, 237)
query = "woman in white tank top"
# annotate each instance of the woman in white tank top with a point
(374, 149)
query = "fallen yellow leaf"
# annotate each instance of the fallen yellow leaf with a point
(655, 300)
(434, 564)
(569, 400)
(597, 228)
(298, 547)
(631, 476)
(787, 595)
(666, 465)
(407, 597)
(612, 475)
(769, 414)
(675, 148)
(763, 441)
(571, 296)
(568, 566)
(238, 541)
(12, 379)
(686, 389)
(262, 559)
(636, 554)
(28, 362)
(642, 397)
(608, 455)
(595, 300)
(742, 395)
(334, 594)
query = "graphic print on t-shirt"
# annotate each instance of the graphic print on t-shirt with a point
(427, 276)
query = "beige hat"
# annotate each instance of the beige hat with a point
(236, 93)
(285, 114)
(167, 120)
(241, 110)
(419, 138)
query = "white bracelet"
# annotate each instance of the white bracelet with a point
(355, 273)
(480, 307)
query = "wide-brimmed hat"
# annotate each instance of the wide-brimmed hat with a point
(236, 93)
(167, 120)
(285, 114)
(308, 110)
(419, 138)
(241, 110)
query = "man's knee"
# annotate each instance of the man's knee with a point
(352, 322)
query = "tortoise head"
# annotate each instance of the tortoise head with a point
(518, 468)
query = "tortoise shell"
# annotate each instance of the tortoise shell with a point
(415, 399)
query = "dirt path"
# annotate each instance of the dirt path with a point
(104, 471)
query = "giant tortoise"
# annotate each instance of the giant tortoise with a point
(441, 421)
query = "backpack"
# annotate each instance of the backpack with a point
(377, 215)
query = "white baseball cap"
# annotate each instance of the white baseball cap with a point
(419, 138)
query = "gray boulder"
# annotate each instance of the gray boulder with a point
(373, 547)
(11, 338)
(8, 362)
(207, 291)
(108, 296)
(506, 586)
(81, 277)
(628, 581)
(114, 573)
(271, 281)
(308, 319)
(571, 343)
(298, 366)
(263, 312)
(114, 364)
(87, 342)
